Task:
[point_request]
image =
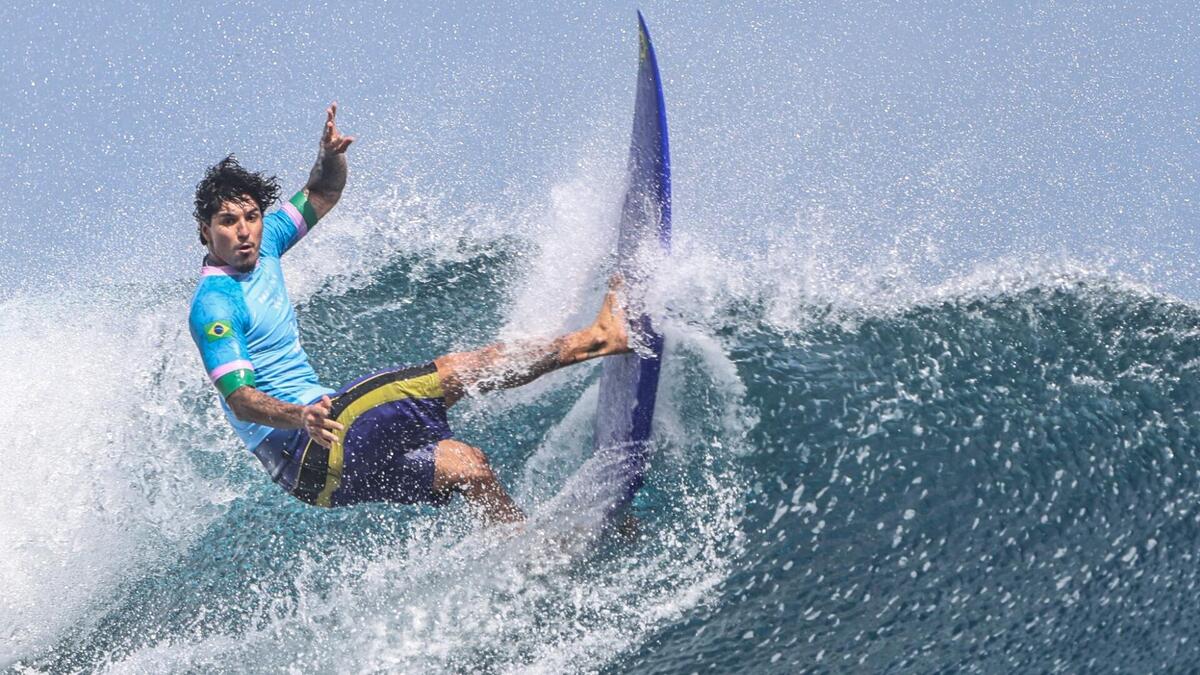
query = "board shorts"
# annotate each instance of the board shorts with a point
(393, 422)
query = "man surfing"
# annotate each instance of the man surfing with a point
(385, 436)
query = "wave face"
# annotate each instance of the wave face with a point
(997, 476)
(1002, 482)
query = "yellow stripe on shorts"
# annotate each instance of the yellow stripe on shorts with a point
(424, 386)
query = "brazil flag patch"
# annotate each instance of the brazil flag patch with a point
(218, 330)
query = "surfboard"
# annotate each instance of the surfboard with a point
(629, 382)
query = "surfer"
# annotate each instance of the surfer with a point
(385, 436)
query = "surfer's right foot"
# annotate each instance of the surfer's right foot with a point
(609, 331)
(607, 335)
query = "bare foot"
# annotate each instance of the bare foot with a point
(609, 327)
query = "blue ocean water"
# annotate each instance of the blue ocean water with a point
(929, 395)
(993, 475)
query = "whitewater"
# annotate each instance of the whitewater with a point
(997, 471)
(929, 401)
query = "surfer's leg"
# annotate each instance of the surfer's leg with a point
(501, 366)
(463, 468)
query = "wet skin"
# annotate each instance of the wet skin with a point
(234, 234)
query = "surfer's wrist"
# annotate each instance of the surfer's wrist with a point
(329, 173)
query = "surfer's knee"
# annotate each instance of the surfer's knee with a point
(458, 465)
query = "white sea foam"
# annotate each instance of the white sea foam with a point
(97, 485)
(104, 487)
(453, 598)
(574, 237)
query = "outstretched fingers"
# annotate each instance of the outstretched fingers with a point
(330, 124)
(332, 140)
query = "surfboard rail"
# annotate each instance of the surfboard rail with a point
(629, 383)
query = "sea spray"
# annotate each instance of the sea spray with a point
(850, 472)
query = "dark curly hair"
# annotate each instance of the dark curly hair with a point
(228, 181)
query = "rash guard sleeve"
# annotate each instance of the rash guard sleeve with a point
(217, 327)
(282, 229)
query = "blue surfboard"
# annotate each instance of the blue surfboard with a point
(629, 383)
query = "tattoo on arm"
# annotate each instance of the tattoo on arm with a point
(326, 180)
(251, 405)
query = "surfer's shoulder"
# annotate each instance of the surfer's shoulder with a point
(284, 227)
(216, 297)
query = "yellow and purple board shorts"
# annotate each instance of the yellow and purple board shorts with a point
(393, 422)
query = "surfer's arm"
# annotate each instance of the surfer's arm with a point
(284, 228)
(215, 322)
(328, 175)
(251, 405)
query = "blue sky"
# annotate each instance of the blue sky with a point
(1014, 129)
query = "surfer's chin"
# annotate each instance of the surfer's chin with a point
(246, 262)
(245, 267)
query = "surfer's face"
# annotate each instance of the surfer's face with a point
(235, 233)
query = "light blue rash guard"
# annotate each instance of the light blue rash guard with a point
(245, 327)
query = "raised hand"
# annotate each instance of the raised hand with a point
(332, 140)
(328, 175)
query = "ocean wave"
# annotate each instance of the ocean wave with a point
(995, 471)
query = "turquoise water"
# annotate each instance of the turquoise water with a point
(929, 393)
(994, 474)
